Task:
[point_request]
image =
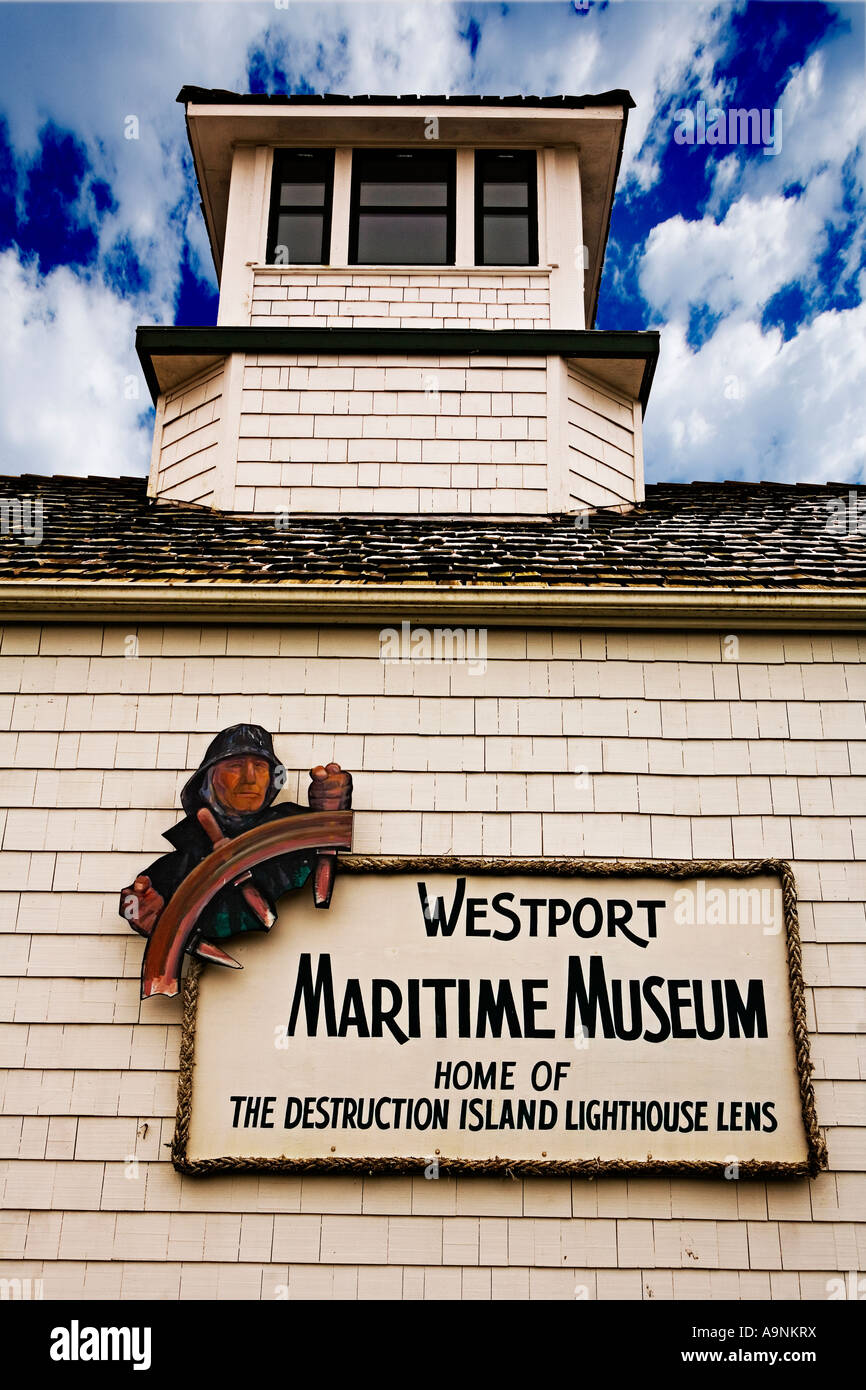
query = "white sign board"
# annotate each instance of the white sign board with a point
(532, 1019)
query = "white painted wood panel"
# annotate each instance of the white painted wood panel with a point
(97, 745)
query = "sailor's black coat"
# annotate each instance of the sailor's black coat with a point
(228, 912)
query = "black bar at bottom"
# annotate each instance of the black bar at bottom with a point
(179, 1342)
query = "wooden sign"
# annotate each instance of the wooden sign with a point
(529, 1016)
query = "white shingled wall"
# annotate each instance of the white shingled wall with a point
(362, 298)
(604, 458)
(187, 438)
(390, 433)
(492, 433)
(688, 754)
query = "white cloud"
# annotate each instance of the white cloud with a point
(65, 362)
(740, 262)
(748, 405)
(650, 49)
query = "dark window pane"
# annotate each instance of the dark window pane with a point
(506, 166)
(506, 225)
(301, 234)
(506, 195)
(404, 195)
(402, 207)
(302, 194)
(506, 240)
(392, 238)
(421, 164)
(299, 229)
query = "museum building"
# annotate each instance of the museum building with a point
(396, 517)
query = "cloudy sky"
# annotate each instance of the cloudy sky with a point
(752, 265)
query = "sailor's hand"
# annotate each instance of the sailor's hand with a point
(141, 905)
(330, 788)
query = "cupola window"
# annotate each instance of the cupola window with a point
(300, 225)
(402, 207)
(506, 217)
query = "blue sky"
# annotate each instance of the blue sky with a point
(751, 265)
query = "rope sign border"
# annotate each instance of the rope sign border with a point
(815, 1162)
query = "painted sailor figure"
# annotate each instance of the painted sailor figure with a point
(232, 791)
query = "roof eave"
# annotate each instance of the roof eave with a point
(170, 355)
(242, 118)
(496, 605)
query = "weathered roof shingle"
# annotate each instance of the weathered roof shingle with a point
(772, 536)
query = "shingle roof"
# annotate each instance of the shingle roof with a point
(773, 536)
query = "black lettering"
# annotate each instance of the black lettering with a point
(578, 914)
(435, 919)
(506, 912)
(313, 996)
(718, 1010)
(464, 1027)
(476, 907)
(257, 1111)
(532, 1006)
(558, 913)
(440, 1006)
(752, 1013)
(588, 1003)
(476, 1110)
(677, 1004)
(753, 1114)
(493, 1007)
(353, 1014)
(533, 904)
(652, 926)
(381, 1015)
(650, 985)
(618, 914)
(634, 1030)
(413, 995)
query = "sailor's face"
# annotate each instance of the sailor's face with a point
(241, 784)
